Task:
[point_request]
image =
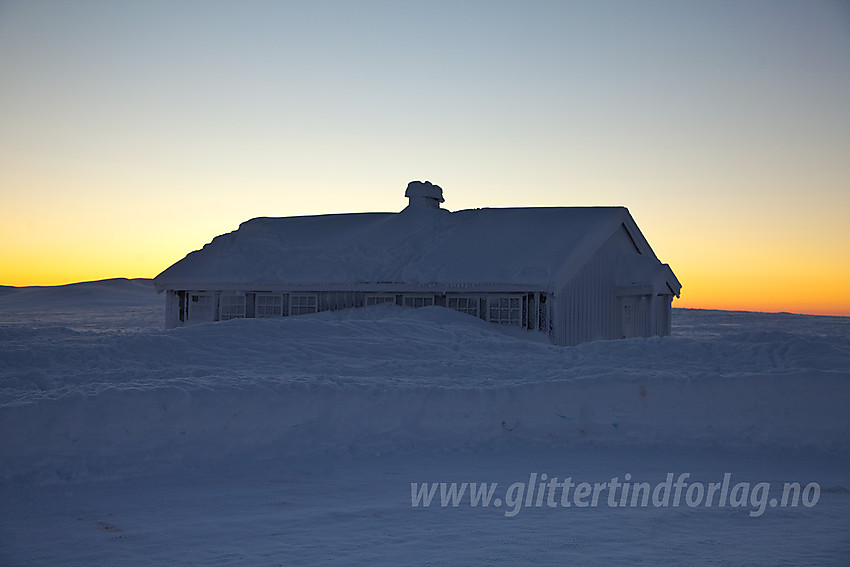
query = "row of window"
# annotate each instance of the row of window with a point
(504, 310)
(233, 306)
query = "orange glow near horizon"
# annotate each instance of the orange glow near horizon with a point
(701, 297)
(754, 279)
(744, 267)
(801, 289)
(747, 264)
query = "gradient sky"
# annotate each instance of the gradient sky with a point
(134, 132)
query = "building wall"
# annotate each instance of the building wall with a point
(588, 308)
(528, 310)
(664, 314)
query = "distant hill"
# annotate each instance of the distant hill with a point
(137, 292)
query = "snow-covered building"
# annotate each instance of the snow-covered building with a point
(575, 273)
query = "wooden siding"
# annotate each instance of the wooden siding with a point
(664, 315)
(586, 308)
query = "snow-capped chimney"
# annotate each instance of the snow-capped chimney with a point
(424, 194)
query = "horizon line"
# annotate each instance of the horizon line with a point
(831, 313)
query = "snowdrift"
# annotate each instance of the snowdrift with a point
(102, 401)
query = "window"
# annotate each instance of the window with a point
(201, 307)
(231, 306)
(505, 310)
(268, 305)
(302, 304)
(379, 299)
(418, 301)
(468, 305)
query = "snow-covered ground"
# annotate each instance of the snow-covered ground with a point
(296, 441)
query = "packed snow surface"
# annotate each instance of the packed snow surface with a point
(295, 441)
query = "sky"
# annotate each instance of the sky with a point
(132, 133)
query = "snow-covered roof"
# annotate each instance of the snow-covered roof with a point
(532, 247)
